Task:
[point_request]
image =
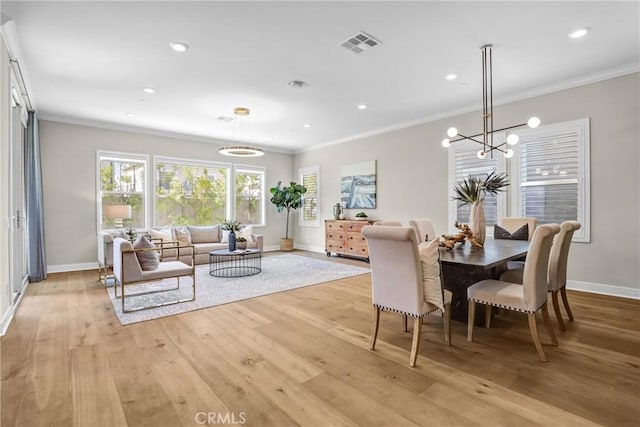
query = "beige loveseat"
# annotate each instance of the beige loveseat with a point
(203, 238)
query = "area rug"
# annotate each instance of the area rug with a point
(279, 273)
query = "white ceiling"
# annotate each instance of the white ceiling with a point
(89, 61)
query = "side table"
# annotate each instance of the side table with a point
(240, 263)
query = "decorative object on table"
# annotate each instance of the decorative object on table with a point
(337, 211)
(487, 141)
(241, 243)
(131, 233)
(521, 233)
(361, 215)
(239, 133)
(358, 185)
(449, 241)
(473, 190)
(287, 198)
(231, 227)
(117, 213)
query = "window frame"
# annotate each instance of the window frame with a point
(252, 169)
(307, 171)
(582, 127)
(197, 163)
(500, 167)
(121, 157)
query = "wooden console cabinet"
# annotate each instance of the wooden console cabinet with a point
(343, 237)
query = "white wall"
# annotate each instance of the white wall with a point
(69, 180)
(5, 100)
(412, 175)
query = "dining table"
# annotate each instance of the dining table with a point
(466, 264)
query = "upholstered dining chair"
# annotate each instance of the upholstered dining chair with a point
(406, 280)
(389, 223)
(557, 276)
(423, 227)
(529, 297)
(134, 264)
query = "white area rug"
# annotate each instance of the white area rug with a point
(279, 273)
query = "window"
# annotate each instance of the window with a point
(310, 178)
(464, 163)
(249, 189)
(190, 192)
(122, 181)
(551, 175)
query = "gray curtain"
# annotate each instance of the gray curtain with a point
(35, 210)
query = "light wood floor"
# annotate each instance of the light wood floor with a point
(301, 358)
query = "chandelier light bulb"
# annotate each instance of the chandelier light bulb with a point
(533, 122)
(481, 154)
(446, 143)
(513, 139)
(509, 153)
(451, 132)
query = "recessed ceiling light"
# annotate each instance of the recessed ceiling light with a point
(307, 125)
(130, 114)
(451, 76)
(362, 107)
(270, 138)
(579, 33)
(179, 46)
(149, 90)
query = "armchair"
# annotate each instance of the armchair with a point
(127, 270)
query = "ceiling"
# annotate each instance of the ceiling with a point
(88, 62)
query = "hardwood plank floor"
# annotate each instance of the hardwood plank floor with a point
(301, 358)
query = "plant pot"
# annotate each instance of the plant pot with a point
(286, 245)
(477, 223)
(241, 245)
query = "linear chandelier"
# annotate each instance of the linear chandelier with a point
(487, 142)
(239, 128)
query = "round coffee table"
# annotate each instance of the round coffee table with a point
(225, 263)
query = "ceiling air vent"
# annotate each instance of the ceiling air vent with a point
(360, 42)
(225, 119)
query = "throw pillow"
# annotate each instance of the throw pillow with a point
(149, 260)
(521, 233)
(246, 232)
(204, 234)
(429, 256)
(164, 233)
(182, 235)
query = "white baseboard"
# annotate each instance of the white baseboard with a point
(599, 288)
(317, 249)
(61, 268)
(6, 320)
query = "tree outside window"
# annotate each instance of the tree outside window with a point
(122, 182)
(249, 187)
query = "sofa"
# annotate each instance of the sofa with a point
(203, 238)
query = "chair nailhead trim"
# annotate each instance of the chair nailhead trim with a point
(403, 312)
(502, 306)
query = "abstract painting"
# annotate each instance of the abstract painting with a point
(358, 185)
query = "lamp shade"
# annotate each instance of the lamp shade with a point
(117, 211)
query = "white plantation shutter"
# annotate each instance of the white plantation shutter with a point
(552, 171)
(463, 163)
(309, 215)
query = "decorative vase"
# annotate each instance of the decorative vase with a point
(477, 222)
(232, 241)
(241, 245)
(337, 211)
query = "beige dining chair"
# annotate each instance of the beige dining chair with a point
(557, 274)
(529, 297)
(389, 223)
(423, 227)
(399, 280)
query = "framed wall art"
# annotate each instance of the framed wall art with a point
(358, 185)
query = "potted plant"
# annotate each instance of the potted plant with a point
(241, 243)
(287, 198)
(232, 226)
(473, 190)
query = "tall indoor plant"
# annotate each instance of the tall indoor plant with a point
(287, 198)
(473, 190)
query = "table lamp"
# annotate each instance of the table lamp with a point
(117, 213)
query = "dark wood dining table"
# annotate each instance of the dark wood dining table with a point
(465, 265)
